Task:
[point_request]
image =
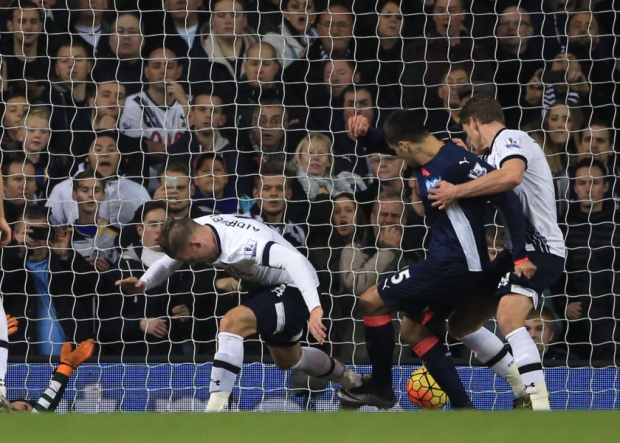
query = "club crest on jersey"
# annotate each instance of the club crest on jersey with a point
(250, 248)
(432, 182)
(477, 172)
(513, 142)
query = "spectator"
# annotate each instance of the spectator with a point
(20, 186)
(388, 174)
(447, 43)
(268, 133)
(590, 288)
(295, 33)
(68, 93)
(176, 189)
(595, 140)
(88, 22)
(24, 51)
(517, 57)
(272, 193)
(313, 163)
(92, 237)
(224, 41)
(363, 265)
(48, 287)
(123, 196)
(214, 190)
(158, 115)
(444, 122)
(556, 134)
(35, 139)
(15, 109)
(543, 327)
(125, 61)
(155, 323)
(184, 19)
(206, 118)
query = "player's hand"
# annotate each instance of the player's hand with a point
(157, 327)
(460, 142)
(526, 268)
(227, 284)
(181, 313)
(11, 323)
(443, 195)
(358, 126)
(75, 357)
(316, 326)
(5, 232)
(131, 285)
(573, 310)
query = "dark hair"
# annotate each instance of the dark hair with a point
(175, 235)
(173, 166)
(14, 157)
(93, 87)
(593, 163)
(20, 5)
(484, 108)
(75, 43)
(598, 121)
(354, 88)
(271, 169)
(151, 205)
(404, 125)
(36, 212)
(199, 160)
(84, 175)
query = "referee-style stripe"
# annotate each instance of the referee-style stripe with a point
(265, 257)
(227, 366)
(280, 317)
(530, 368)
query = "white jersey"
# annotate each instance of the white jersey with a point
(536, 191)
(253, 252)
(142, 117)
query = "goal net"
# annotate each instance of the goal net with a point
(119, 114)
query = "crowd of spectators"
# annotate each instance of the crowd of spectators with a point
(119, 113)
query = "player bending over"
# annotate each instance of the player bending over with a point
(285, 296)
(522, 166)
(457, 265)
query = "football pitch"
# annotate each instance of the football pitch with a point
(341, 427)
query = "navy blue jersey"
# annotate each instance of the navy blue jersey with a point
(458, 231)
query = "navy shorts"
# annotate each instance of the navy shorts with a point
(433, 284)
(281, 314)
(549, 268)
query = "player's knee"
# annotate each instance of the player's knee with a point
(237, 321)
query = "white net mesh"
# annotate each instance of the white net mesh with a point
(117, 114)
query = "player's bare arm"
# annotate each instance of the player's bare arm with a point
(500, 180)
(131, 285)
(316, 326)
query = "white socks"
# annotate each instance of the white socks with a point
(528, 361)
(226, 365)
(317, 363)
(4, 344)
(490, 350)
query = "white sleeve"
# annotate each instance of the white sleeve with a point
(511, 146)
(131, 119)
(298, 268)
(160, 271)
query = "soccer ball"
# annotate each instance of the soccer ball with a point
(424, 392)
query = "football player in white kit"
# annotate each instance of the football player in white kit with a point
(285, 296)
(521, 166)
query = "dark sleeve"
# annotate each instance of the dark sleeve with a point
(53, 394)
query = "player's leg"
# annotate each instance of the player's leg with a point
(4, 356)
(438, 360)
(511, 315)
(466, 324)
(380, 343)
(237, 324)
(314, 363)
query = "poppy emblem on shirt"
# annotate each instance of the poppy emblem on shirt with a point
(513, 142)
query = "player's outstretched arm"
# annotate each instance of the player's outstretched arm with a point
(500, 180)
(154, 276)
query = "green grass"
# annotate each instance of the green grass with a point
(343, 427)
